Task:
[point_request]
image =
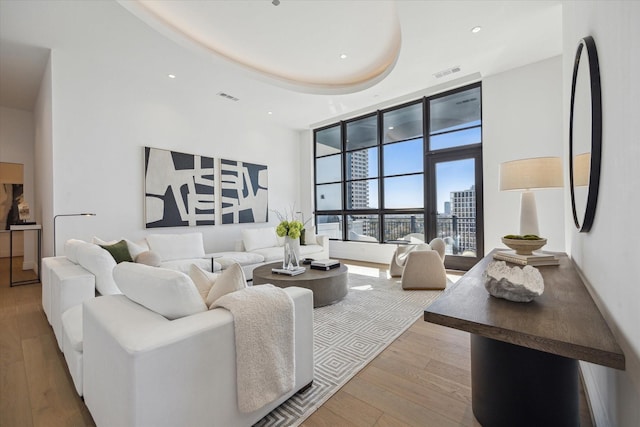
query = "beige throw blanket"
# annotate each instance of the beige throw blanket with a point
(264, 327)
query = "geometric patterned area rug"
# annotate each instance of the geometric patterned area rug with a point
(349, 334)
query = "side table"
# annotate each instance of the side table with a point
(30, 227)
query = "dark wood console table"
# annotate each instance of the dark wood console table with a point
(524, 356)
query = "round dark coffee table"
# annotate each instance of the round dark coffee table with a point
(328, 287)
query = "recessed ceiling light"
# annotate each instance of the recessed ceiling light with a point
(476, 29)
(270, 112)
(343, 56)
(171, 76)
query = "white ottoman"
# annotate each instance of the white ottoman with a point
(72, 343)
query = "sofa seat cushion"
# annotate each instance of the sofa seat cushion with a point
(172, 247)
(183, 265)
(225, 259)
(72, 328)
(275, 253)
(169, 293)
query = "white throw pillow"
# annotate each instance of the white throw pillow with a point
(259, 238)
(169, 293)
(149, 258)
(202, 279)
(99, 262)
(71, 249)
(135, 249)
(177, 246)
(230, 280)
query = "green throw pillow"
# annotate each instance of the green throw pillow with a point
(119, 251)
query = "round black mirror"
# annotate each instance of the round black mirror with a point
(585, 134)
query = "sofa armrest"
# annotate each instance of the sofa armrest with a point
(67, 285)
(142, 369)
(323, 240)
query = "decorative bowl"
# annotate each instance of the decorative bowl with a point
(524, 246)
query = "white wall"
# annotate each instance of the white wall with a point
(105, 108)
(522, 118)
(608, 255)
(17, 146)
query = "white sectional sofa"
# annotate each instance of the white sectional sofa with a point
(86, 271)
(161, 361)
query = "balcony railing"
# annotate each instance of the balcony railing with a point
(457, 232)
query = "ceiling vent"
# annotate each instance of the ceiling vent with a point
(229, 97)
(447, 72)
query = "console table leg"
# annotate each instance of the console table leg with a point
(518, 386)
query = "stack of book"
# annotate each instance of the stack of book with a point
(325, 264)
(294, 272)
(535, 259)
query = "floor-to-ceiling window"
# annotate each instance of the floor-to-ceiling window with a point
(378, 178)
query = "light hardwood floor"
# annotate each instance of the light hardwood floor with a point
(422, 379)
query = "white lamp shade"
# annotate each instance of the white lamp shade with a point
(581, 169)
(529, 174)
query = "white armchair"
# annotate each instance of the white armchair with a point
(420, 265)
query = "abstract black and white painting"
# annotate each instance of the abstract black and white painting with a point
(179, 189)
(244, 192)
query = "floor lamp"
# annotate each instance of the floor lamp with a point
(54, 227)
(526, 175)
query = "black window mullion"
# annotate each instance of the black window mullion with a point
(380, 179)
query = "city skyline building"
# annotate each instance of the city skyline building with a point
(463, 210)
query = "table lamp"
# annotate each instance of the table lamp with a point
(526, 175)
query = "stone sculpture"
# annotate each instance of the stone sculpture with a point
(513, 283)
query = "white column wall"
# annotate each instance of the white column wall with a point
(608, 255)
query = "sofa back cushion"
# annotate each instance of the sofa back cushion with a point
(71, 249)
(169, 293)
(172, 247)
(99, 262)
(259, 238)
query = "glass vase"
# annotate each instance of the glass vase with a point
(291, 258)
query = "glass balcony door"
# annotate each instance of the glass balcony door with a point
(456, 206)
